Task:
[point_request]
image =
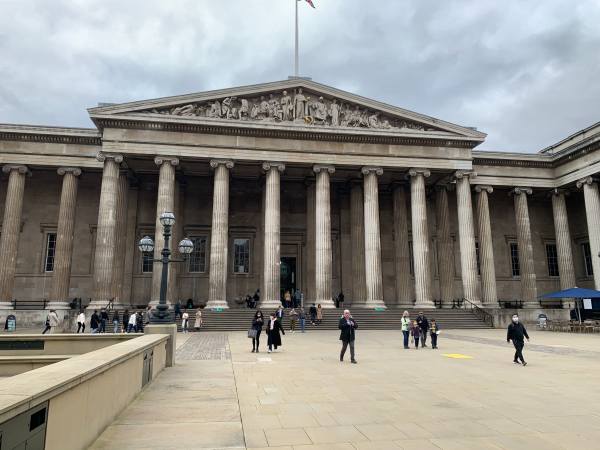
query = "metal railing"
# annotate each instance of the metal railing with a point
(478, 312)
(32, 304)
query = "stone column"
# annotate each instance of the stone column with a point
(271, 295)
(61, 277)
(420, 234)
(357, 236)
(466, 235)
(592, 214)
(323, 247)
(118, 273)
(373, 274)
(106, 231)
(404, 296)
(445, 246)
(309, 294)
(563, 242)
(131, 239)
(217, 289)
(525, 246)
(11, 228)
(489, 295)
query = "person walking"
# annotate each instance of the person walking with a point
(517, 334)
(53, 321)
(103, 320)
(279, 314)
(132, 324)
(198, 321)
(297, 298)
(125, 318)
(274, 329)
(313, 313)
(115, 321)
(81, 322)
(319, 314)
(256, 297)
(405, 324)
(415, 331)
(293, 319)
(287, 297)
(341, 300)
(141, 320)
(347, 326)
(257, 324)
(178, 310)
(302, 317)
(423, 324)
(184, 321)
(94, 322)
(434, 330)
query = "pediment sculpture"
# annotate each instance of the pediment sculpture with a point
(286, 107)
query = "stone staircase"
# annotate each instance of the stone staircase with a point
(367, 319)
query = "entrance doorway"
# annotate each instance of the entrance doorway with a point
(288, 275)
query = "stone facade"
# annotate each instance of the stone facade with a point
(337, 193)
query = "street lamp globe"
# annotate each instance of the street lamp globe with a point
(186, 246)
(146, 244)
(167, 219)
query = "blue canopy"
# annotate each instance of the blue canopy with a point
(573, 293)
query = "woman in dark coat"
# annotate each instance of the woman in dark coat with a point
(273, 332)
(257, 324)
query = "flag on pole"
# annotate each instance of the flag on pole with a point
(310, 3)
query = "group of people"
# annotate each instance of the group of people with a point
(125, 322)
(417, 330)
(184, 316)
(273, 329)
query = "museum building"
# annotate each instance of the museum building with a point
(292, 185)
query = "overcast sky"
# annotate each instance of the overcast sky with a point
(525, 72)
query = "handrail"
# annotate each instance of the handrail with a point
(479, 312)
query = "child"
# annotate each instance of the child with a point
(434, 330)
(416, 334)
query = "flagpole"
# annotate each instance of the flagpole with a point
(296, 69)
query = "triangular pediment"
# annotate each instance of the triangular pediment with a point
(296, 103)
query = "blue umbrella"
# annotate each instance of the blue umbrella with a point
(573, 293)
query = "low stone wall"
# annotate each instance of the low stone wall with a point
(85, 392)
(36, 319)
(59, 344)
(503, 316)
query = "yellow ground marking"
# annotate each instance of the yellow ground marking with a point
(457, 356)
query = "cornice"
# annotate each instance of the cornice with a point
(54, 135)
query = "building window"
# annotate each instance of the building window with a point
(411, 258)
(198, 256)
(587, 259)
(514, 260)
(478, 258)
(552, 257)
(148, 259)
(241, 255)
(50, 252)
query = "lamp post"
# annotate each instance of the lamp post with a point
(160, 314)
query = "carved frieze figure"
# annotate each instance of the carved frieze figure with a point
(186, 110)
(374, 120)
(319, 111)
(354, 119)
(263, 111)
(227, 107)
(287, 108)
(274, 111)
(255, 111)
(243, 115)
(300, 102)
(334, 113)
(215, 109)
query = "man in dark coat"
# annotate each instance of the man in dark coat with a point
(312, 312)
(95, 322)
(273, 329)
(423, 324)
(347, 326)
(517, 334)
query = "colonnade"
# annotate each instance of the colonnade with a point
(480, 289)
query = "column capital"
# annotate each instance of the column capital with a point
(268, 165)
(444, 187)
(103, 156)
(414, 171)
(160, 160)
(585, 180)
(460, 174)
(557, 192)
(64, 170)
(484, 187)
(22, 169)
(214, 163)
(520, 190)
(366, 170)
(323, 167)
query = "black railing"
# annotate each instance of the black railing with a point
(438, 304)
(31, 304)
(511, 304)
(479, 312)
(457, 303)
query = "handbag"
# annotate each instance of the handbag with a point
(252, 333)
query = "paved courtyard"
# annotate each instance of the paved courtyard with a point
(222, 396)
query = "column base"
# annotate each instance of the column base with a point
(217, 304)
(97, 304)
(405, 306)
(58, 305)
(270, 304)
(6, 305)
(327, 304)
(489, 305)
(371, 304)
(427, 305)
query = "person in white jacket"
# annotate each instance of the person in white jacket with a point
(184, 321)
(131, 326)
(81, 322)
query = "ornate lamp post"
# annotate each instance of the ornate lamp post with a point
(161, 314)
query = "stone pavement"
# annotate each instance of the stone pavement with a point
(222, 396)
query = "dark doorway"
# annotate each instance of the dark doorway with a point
(288, 275)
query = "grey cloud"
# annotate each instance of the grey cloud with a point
(525, 72)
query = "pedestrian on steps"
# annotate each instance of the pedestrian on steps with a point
(293, 320)
(319, 314)
(313, 313)
(81, 322)
(125, 321)
(198, 321)
(115, 321)
(185, 317)
(302, 317)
